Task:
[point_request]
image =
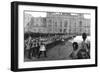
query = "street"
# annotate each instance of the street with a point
(58, 52)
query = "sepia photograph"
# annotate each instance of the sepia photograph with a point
(56, 36)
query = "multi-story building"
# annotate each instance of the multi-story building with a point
(27, 20)
(67, 23)
(60, 23)
(37, 25)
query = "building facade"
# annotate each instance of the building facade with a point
(27, 20)
(37, 25)
(67, 23)
(60, 23)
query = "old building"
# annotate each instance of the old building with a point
(37, 25)
(27, 20)
(57, 22)
(67, 23)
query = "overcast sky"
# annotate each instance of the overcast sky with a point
(43, 14)
(37, 14)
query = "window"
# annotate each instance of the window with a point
(55, 24)
(44, 22)
(64, 30)
(60, 23)
(36, 24)
(65, 24)
(60, 30)
(80, 23)
(50, 21)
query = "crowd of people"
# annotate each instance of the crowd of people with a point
(34, 47)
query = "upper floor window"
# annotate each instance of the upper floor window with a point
(65, 24)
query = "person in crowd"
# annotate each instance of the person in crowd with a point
(33, 50)
(88, 46)
(25, 48)
(36, 48)
(42, 49)
(63, 41)
(84, 52)
(73, 55)
(29, 44)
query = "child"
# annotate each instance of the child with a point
(73, 55)
(82, 54)
(42, 50)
